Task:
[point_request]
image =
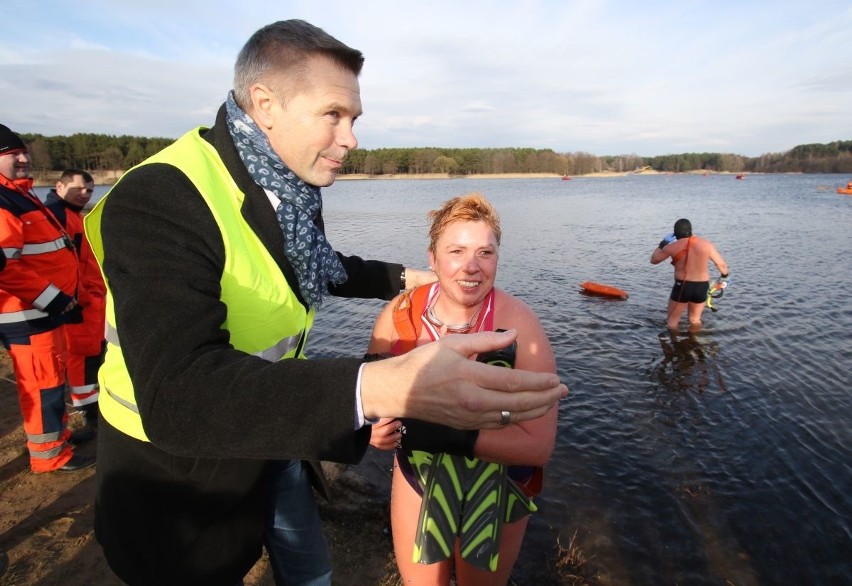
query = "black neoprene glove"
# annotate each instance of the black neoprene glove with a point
(75, 316)
(434, 437)
(58, 304)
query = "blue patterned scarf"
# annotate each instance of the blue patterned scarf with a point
(312, 257)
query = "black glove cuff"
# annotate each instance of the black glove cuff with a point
(461, 442)
(58, 304)
(662, 243)
(435, 438)
(725, 276)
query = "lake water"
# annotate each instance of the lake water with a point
(716, 458)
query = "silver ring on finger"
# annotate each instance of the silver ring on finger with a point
(505, 418)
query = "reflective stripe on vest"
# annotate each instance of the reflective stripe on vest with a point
(47, 454)
(49, 294)
(44, 247)
(264, 316)
(44, 438)
(14, 317)
(12, 253)
(272, 354)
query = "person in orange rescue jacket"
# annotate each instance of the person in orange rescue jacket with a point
(37, 296)
(85, 341)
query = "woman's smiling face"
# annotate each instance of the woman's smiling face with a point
(465, 261)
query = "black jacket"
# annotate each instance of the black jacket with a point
(188, 508)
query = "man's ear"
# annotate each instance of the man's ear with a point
(263, 100)
(60, 187)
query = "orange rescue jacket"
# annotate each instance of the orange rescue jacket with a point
(91, 290)
(41, 273)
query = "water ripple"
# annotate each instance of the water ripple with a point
(716, 457)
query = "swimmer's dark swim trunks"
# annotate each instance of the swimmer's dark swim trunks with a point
(690, 291)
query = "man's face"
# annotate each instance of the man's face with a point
(15, 164)
(77, 192)
(312, 129)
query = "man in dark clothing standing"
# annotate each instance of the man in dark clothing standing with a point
(85, 340)
(216, 261)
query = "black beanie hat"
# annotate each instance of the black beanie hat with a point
(683, 228)
(9, 141)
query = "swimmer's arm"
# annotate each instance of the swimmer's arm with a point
(719, 261)
(659, 255)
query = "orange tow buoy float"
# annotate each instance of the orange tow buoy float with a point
(590, 288)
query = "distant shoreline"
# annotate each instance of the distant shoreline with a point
(382, 177)
(48, 179)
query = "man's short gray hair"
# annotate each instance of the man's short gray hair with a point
(283, 49)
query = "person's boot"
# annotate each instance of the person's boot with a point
(76, 463)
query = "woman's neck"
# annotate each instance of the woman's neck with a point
(448, 317)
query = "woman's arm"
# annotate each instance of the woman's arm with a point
(384, 334)
(529, 443)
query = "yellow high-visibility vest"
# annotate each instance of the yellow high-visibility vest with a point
(264, 315)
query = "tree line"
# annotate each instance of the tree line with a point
(92, 152)
(101, 152)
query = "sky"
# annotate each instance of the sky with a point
(604, 77)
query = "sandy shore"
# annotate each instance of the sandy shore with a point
(46, 520)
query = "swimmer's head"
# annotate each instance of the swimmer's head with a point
(682, 229)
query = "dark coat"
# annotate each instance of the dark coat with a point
(189, 507)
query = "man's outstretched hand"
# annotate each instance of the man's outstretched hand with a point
(437, 382)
